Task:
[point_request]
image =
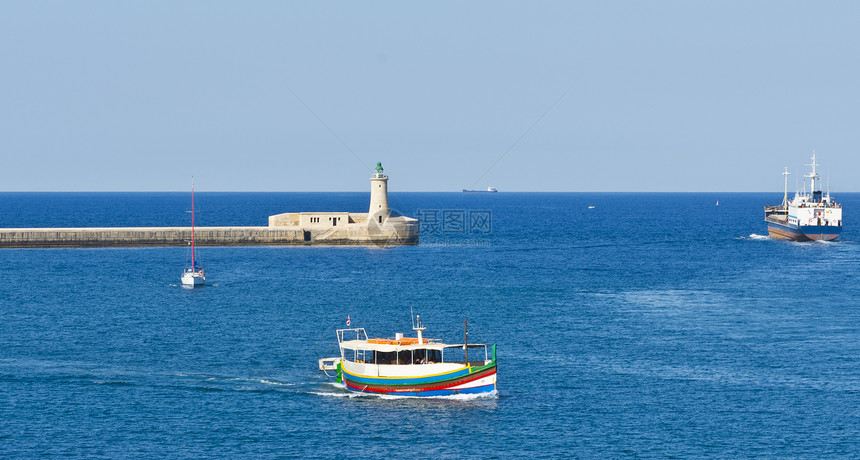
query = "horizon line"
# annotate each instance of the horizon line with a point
(390, 191)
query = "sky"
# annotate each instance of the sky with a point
(573, 96)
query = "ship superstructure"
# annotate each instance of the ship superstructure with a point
(808, 216)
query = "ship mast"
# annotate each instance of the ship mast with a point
(419, 329)
(785, 195)
(813, 176)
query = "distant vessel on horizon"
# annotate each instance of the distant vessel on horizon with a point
(488, 190)
(193, 275)
(814, 216)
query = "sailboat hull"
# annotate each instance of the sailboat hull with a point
(193, 279)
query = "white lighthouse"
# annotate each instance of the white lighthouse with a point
(377, 227)
(378, 196)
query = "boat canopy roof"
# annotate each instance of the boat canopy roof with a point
(392, 345)
(400, 343)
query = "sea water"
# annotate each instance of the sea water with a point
(651, 325)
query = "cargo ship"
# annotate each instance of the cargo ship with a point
(488, 190)
(808, 216)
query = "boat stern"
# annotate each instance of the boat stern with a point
(822, 233)
(329, 364)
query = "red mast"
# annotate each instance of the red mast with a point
(193, 265)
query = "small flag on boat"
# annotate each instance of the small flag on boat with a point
(347, 320)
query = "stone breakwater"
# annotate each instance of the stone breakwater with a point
(377, 227)
(385, 235)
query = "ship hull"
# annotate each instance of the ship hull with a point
(193, 279)
(469, 380)
(803, 233)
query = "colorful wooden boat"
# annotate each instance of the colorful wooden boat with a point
(411, 366)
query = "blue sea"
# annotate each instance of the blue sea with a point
(651, 325)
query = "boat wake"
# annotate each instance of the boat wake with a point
(460, 397)
(226, 383)
(756, 237)
(262, 381)
(339, 391)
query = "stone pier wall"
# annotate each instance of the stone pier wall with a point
(204, 236)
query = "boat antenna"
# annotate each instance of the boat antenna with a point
(466, 339)
(412, 316)
(785, 195)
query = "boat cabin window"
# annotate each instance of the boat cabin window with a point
(364, 356)
(419, 356)
(385, 357)
(458, 355)
(424, 356)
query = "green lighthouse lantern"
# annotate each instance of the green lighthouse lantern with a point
(378, 172)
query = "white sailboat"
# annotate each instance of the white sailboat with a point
(193, 275)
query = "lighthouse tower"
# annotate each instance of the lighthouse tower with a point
(378, 196)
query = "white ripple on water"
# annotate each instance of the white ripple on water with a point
(340, 392)
(738, 377)
(233, 383)
(343, 393)
(716, 315)
(458, 397)
(271, 382)
(674, 301)
(250, 380)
